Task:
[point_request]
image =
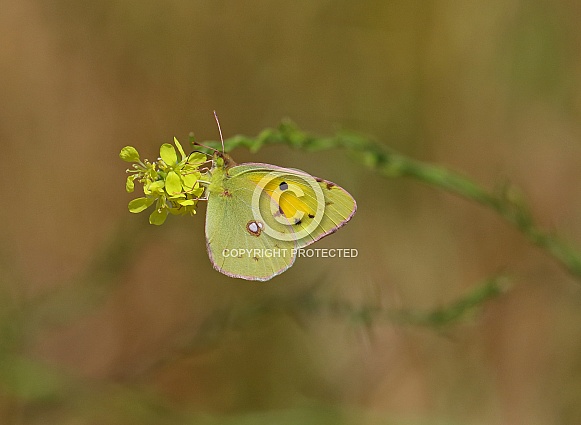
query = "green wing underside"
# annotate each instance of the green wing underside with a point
(238, 252)
(233, 250)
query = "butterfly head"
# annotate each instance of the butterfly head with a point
(223, 160)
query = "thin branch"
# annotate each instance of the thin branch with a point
(390, 163)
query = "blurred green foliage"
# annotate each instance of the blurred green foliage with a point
(104, 320)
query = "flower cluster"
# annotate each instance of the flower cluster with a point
(172, 183)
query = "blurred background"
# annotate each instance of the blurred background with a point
(105, 319)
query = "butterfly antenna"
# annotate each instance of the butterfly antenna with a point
(206, 147)
(220, 130)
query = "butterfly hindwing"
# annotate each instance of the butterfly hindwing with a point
(236, 242)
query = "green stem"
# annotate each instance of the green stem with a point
(393, 164)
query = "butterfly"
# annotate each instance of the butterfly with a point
(260, 216)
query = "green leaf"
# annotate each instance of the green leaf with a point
(180, 149)
(139, 204)
(129, 154)
(168, 154)
(177, 196)
(189, 181)
(158, 216)
(187, 202)
(173, 183)
(198, 191)
(197, 158)
(129, 184)
(156, 186)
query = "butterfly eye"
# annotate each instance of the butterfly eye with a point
(283, 186)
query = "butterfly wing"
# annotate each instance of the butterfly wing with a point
(260, 214)
(339, 209)
(312, 214)
(235, 240)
